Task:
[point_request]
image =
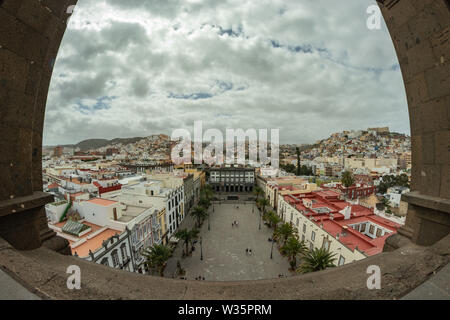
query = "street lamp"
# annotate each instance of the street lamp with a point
(260, 218)
(201, 249)
(271, 251)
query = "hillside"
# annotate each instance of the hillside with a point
(98, 143)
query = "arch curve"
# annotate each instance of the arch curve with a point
(30, 35)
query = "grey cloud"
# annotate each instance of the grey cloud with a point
(309, 68)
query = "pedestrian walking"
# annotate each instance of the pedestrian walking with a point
(246, 251)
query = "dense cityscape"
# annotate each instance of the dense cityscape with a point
(126, 205)
(224, 158)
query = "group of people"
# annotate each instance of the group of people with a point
(248, 251)
(234, 224)
(200, 278)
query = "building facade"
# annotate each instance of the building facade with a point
(232, 179)
(322, 220)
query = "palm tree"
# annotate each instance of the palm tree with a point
(386, 204)
(263, 203)
(285, 231)
(199, 213)
(156, 257)
(292, 248)
(258, 191)
(207, 192)
(316, 260)
(347, 179)
(187, 237)
(204, 202)
(273, 219)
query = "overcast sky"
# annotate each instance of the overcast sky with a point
(141, 67)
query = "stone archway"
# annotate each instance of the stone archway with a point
(30, 36)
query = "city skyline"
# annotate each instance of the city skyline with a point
(278, 65)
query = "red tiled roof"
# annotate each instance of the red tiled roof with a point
(102, 202)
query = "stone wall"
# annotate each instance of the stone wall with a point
(30, 35)
(420, 30)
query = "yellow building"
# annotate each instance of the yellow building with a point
(162, 221)
(277, 187)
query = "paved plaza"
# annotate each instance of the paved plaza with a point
(224, 256)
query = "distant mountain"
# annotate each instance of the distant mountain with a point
(98, 143)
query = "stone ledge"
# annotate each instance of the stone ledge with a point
(37, 199)
(425, 201)
(402, 271)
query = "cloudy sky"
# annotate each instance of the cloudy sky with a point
(141, 67)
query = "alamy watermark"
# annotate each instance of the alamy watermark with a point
(74, 280)
(374, 280)
(237, 143)
(374, 20)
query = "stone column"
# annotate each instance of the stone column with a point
(420, 31)
(30, 35)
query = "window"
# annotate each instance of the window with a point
(123, 251)
(304, 228)
(313, 236)
(105, 262)
(363, 228)
(326, 244)
(311, 246)
(297, 222)
(303, 238)
(341, 261)
(372, 229)
(115, 258)
(292, 215)
(379, 232)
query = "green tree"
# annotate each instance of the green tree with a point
(284, 232)
(347, 179)
(292, 248)
(199, 213)
(297, 151)
(156, 257)
(187, 237)
(207, 192)
(273, 220)
(263, 203)
(204, 202)
(258, 191)
(316, 260)
(385, 202)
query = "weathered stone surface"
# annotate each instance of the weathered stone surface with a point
(44, 271)
(30, 35)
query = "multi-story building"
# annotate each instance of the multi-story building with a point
(165, 193)
(287, 185)
(98, 244)
(116, 252)
(355, 191)
(323, 220)
(189, 191)
(141, 220)
(232, 179)
(58, 152)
